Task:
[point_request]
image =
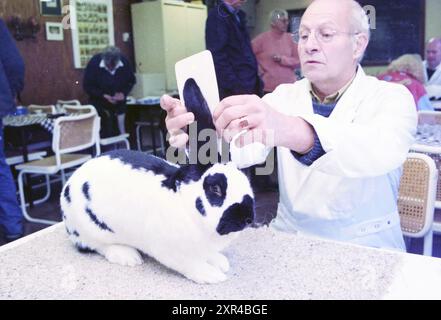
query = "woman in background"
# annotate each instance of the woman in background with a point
(408, 70)
(276, 52)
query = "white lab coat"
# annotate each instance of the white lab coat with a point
(436, 77)
(350, 193)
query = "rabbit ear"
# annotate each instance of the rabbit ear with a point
(202, 131)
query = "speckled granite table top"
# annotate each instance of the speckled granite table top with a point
(265, 264)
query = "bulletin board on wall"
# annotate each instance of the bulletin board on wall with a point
(294, 17)
(399, 27)
(92, 28)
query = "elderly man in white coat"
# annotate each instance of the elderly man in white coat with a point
(341, 136)
(432, 68)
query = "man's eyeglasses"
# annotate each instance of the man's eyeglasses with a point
(323, 35)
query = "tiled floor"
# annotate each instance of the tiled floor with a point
(266, 205)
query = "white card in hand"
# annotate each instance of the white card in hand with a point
(200, 67)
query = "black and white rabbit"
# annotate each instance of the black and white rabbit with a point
(125, 201)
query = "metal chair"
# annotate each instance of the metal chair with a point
(431, 118)
(71, 134)
(73, 102)
(35, 108)
(122, 138)
(153, 125)
(79, 109)
(16, 159)
(416, 198)
(60, 105)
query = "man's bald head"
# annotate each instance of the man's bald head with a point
(433, 53)
(350, 11)
(436, 40)
(333, 35)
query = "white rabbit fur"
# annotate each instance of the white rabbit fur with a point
(115, 207)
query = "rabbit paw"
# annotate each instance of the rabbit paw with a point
(123, 255)
(220, 261)
(206, 273)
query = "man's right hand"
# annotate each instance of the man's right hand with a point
(119, 96)
(109, 98)
(176, 121)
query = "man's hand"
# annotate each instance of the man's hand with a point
(246, 112)
(176, 121)
(263, 124)
(277, 58)
(109, 98)
(119, 96)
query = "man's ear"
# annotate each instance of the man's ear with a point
(360, 43)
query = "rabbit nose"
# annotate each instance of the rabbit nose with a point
(249, 221)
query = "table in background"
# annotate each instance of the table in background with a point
(21, 126)
(150, 112)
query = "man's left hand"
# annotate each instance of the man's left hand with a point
(247, 112)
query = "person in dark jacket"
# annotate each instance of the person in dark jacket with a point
(227, 38)
(108, 79)
(11, 83)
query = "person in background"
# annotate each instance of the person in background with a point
(227, 38)
(432, 64)
(408, 71)
(108, 79)
(11, 83)
(341, 136)
(432, 68)
(276, 52)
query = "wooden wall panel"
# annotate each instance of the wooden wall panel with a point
(50, 72)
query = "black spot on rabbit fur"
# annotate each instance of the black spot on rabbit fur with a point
(174, 176)
(215, 187)
(139, 160)
(237, 216)
(200, 206)
(100, 224)
(66, 194)
(83, 249)
(75, 233)
(184, 174)
(85, 190)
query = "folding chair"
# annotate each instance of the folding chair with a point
(61, 103)
(73, 102)
(152, 125)
(35, 108)
(416, 198)
(122, 138)
(431, 118)
(71, 134)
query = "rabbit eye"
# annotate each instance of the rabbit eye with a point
(216, 190)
